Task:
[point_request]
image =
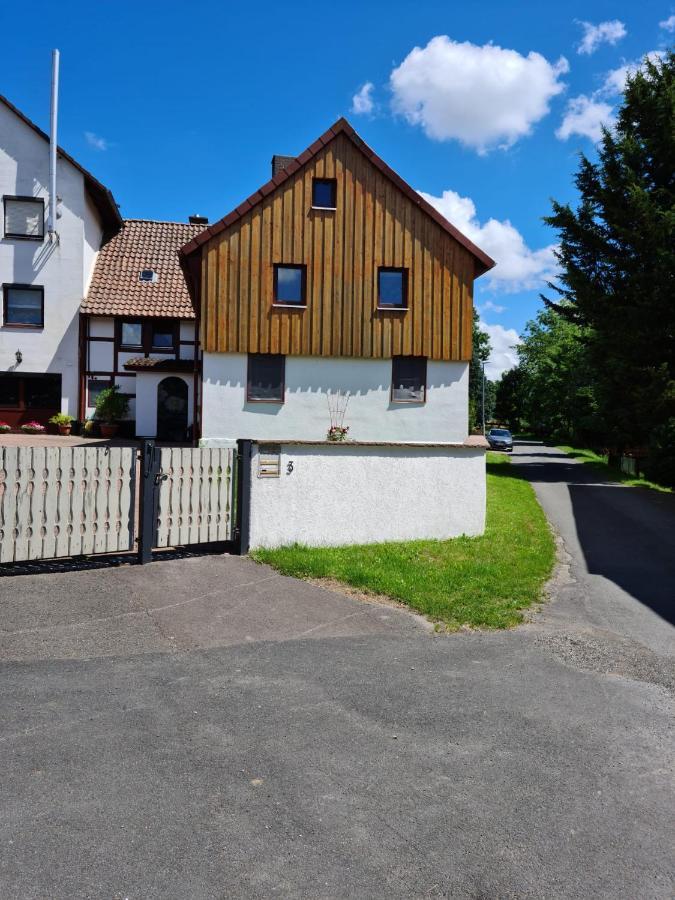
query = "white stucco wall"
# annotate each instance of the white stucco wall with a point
(342, 494)
(146, 400)
(62, 269)
(371, 416)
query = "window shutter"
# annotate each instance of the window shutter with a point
(24, 218)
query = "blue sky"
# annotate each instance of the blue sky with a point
(178, 108)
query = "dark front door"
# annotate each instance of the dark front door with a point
(172, 410)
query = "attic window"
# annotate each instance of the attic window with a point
(149, 276)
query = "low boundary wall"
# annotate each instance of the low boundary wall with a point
(327, 494)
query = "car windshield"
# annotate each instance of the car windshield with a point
(499, 432)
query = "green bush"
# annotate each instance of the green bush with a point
(660, 464)
(111, 405)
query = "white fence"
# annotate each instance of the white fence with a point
(66, 501)
(195, 495)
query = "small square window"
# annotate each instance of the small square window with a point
(132, 335)
(162, 336)
(23, 305)
(324, 193)
(265, 380)
(25, 218)
(289, 285)
(408, 379)
(392, 288)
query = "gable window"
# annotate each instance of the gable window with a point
(24, 218)
(289, 285)
(408, 379)
(392, 288)
(265, 380)
(23, 304)
(324, 193)
(132, 335)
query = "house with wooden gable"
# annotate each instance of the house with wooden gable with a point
(138, 329)
(334, 278)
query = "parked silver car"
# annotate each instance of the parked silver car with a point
(500, 439)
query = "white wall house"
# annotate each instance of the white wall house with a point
(43, 281)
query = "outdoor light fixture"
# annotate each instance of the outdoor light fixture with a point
(18, 356)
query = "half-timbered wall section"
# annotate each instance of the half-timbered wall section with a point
(374, 224)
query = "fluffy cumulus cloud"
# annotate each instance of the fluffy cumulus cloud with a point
(604, 33)
(518, 266)
(668, 24)
(95, 141)
(503, 355)
(615, 79)
(484, 97)
(362, 101)
(585, 116)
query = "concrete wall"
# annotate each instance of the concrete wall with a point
(62, 269)
(304, 415)
(341, 494)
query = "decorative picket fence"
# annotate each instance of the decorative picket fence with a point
(195, 490)
(66, 501)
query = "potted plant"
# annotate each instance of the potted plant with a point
(63, 422)
(33, 428)
(111, 406)
(4, 427)
(337, 433)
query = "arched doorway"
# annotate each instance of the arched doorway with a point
(172, 409)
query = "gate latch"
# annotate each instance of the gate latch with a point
(160, 476)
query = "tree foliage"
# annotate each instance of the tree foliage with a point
(617, 284)
(480, 354)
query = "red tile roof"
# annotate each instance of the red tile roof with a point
(342, 126)
(115, 288)
(150, 363)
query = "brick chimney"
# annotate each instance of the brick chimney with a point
(279, 163)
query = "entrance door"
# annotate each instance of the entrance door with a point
(172, 410)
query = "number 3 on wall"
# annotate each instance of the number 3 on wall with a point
(289, 467)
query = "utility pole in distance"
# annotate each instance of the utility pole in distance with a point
(482, 400)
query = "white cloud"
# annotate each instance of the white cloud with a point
(489, 305)
(585, 116)
(605, 33)
(95, 141)
(362, 101)
(518, 267)
(481, 96)
(503, 355)
(615, 79)
(668, 24)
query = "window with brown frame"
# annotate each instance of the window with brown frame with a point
(23, 306)
(408, 379)
(94, 388)
(24, 218)
(154, 335)
(392, 288)
(290, 285)
(265, 378)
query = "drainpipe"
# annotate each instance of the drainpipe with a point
(51, 220)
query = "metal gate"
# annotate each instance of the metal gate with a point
(66, 501)
(77, 501)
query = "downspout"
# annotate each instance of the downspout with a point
(51, 219)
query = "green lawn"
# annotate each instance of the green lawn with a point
(608, 472)
(480, 582)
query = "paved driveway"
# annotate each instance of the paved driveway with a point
(204, 728)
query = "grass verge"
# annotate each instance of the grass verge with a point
(610, 473)
(482, 582)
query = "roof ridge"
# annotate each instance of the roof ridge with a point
(165, 222)
(342, 126)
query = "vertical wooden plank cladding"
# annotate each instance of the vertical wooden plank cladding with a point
(374, 225)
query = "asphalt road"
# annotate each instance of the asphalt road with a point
(204, 728)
